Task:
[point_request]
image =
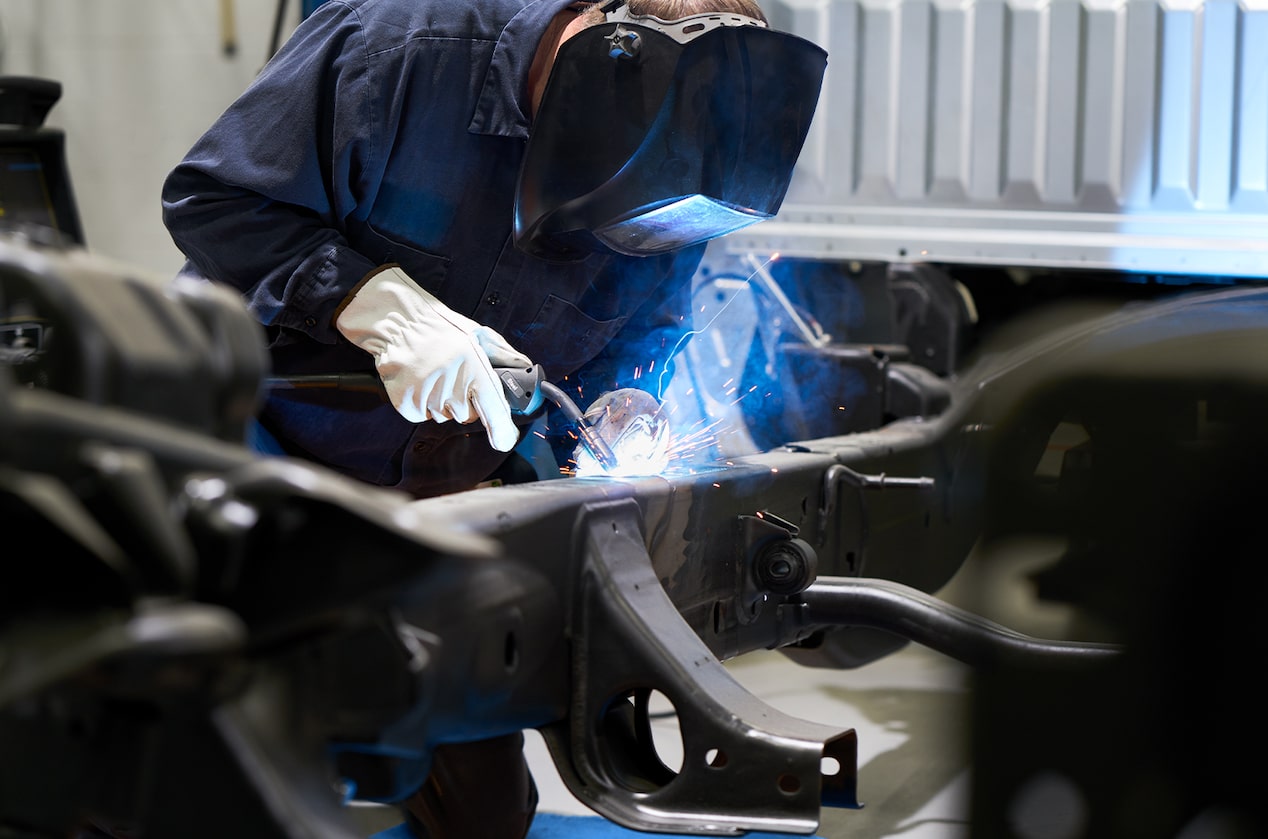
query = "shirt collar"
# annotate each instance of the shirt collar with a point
(502, 108)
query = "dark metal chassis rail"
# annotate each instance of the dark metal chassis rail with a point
(308, 637)
(665, 577)
(560, 605)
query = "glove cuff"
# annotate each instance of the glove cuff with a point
(356, 289)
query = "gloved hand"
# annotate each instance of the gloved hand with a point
(435, 363)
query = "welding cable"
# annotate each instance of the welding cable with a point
(916, 616)
(369, 383)
(357, 382)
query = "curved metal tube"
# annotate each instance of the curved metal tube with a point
(919, 617)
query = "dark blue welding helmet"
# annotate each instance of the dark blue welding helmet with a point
(655, 135)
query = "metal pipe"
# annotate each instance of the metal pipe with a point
(912, 614)
(772, 287)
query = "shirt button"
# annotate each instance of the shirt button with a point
(420, 447)
(493, 299)
(310, 321)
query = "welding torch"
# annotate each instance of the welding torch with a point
(526, 391)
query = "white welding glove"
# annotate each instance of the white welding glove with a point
(435, 363)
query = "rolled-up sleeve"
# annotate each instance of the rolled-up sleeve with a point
(260, 201)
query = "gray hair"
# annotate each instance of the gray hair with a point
(675, 9)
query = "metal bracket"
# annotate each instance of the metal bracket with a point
(630, 641)
(838, 474)
(775, 562)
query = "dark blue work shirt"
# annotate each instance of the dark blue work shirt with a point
(391, 131)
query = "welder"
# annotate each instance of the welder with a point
(429, 190)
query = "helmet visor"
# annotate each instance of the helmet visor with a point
(645, 143)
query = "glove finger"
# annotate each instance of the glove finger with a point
(495, 412)
(462, 383)
(510, 359)
(459, 407)
(417, 394)
(499, 350)
(406, 395)
(456, 383)
(435, 389)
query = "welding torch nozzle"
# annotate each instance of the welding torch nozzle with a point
(590, 438)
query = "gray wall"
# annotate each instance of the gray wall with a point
(142, 79)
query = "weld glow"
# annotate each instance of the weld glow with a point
(640, 451)
(633, 423)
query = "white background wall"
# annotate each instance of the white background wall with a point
(142, 79)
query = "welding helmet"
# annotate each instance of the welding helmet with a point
(655, 135)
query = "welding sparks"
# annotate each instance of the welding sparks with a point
(637, 431)
(660, 389)
(685, 447)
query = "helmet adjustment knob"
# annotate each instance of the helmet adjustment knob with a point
(624, 43)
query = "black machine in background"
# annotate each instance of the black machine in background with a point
(35, 187)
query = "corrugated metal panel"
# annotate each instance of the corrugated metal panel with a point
(1121, 134)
